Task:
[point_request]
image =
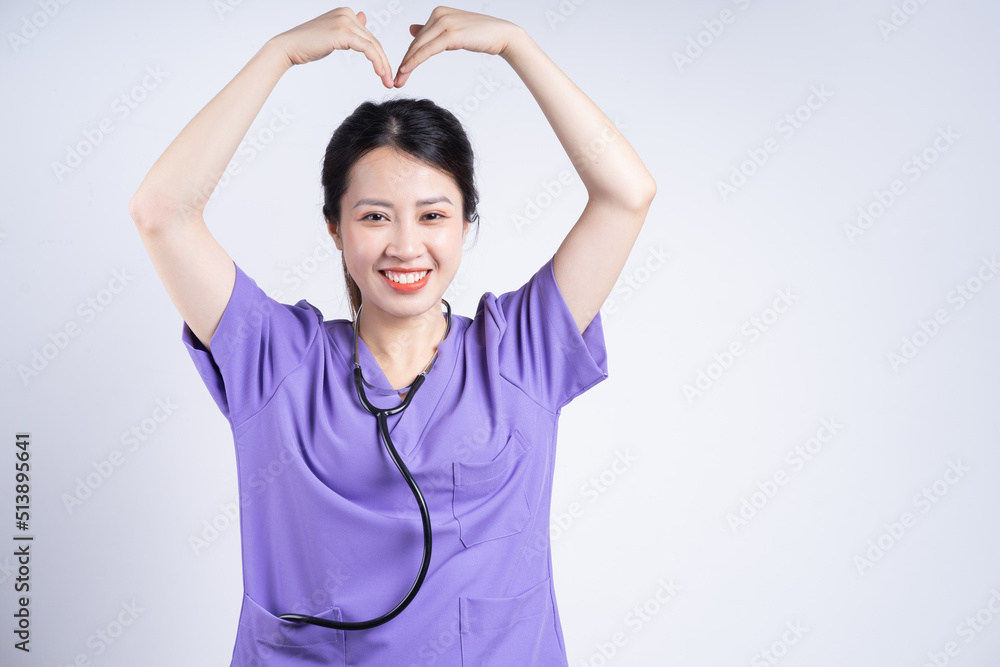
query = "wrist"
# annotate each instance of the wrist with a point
(274, 52)
(518, 41)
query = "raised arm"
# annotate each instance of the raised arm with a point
(620, 188)
(168, 207)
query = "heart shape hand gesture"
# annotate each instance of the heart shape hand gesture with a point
(447, 29)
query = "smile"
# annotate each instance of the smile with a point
(404, 278)
(406, 281)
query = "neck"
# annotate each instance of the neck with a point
(402, 342)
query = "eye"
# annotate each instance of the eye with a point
(439, 216)
(369, 217)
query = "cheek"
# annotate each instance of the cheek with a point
(360, 248)
(448, 242)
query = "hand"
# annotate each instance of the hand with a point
(450, 29)
(338, 29)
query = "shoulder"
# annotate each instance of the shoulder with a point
(247, 290)
(497, 310)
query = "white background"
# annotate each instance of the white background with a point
(856, 299)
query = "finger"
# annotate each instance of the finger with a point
(372, 50)
(382, 66)
(418, 39)
(381, 61)
(407, 65)
(422, 48)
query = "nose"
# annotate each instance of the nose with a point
(405, 242)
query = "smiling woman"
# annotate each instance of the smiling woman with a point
(399, 198)
(476, 444)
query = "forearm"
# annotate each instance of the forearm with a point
(181, 181)
(607, 164)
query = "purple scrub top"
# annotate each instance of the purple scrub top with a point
(330, 528)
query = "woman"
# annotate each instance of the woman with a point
(335, 536)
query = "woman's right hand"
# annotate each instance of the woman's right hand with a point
(338, 29)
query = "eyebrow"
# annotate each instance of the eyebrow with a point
(368, 201)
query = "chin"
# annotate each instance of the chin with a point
(408, 305)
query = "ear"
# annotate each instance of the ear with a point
(338, 241)
(465, 228)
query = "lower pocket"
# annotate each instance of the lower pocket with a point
(510, 631)
(264, 640)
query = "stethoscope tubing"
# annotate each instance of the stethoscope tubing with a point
(381, 416)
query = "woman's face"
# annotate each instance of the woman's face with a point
(401, 231)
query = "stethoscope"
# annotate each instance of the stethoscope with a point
(383, 427)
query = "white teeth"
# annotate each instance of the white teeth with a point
(404, 278)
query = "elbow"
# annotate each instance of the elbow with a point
(148, 212)
(649, 190)
(634, 199)
(141, 208)
(641, 196)
(136, 211)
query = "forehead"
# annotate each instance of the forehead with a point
(405, 174)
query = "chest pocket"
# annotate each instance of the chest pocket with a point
(489, 499)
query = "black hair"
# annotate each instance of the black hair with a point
(418, 127)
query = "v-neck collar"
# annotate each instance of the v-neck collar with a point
(406, 427)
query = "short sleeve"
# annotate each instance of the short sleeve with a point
(258, 342)
(541, 351)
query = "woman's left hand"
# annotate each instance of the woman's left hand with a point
(451, 29)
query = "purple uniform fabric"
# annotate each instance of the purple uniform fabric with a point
(330, 527)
